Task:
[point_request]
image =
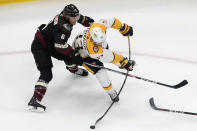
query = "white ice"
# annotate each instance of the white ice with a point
(164, 46)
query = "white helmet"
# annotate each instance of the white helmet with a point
(98, 35)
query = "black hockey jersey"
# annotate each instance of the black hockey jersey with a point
(54, 36)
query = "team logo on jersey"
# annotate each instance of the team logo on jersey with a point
(96, 49)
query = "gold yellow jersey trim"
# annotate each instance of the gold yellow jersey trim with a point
(108, 88)
(88, 68)
(117, 24)
(92, 47)
(117, 58)
(102, 26)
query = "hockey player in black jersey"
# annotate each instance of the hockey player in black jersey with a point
(51, 41)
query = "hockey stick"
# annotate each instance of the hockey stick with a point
(93, 126)
(181, 84)
(152, 104)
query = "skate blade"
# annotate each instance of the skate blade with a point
(34, 109)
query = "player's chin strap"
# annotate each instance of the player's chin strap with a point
(93, 126)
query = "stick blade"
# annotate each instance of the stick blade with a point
(152, 104)
(183, 83)
(92, 127)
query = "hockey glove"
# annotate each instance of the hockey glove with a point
(76, 58)
(126, 30)
(90, 20)
(128, 65)
(87, 21)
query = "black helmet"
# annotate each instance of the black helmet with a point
(71, 11)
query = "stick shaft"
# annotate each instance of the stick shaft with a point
(140, 78)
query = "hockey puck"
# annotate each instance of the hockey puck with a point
(92, 127)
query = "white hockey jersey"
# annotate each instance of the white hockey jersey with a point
(90, 49)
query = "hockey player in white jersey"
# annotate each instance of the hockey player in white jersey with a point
(94, 49)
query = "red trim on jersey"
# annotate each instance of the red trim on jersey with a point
(41, 38)
(66, 51)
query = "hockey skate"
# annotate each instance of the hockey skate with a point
(35, 106)
(113, 95)
(81, 72)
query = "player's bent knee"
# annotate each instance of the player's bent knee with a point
(46, 74)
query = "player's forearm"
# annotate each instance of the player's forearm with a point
(85, 20)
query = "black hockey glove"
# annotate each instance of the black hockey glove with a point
(126, 30)
(87, 22)
(128, 65)
(76, 58)
(90, 20)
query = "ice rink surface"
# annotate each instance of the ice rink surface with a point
(164, 46)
